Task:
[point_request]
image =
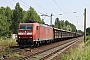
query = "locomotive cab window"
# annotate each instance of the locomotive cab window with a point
(25, 27)
(29, 28)
(22, 27)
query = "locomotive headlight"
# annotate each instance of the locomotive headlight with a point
(19, 36)
(30, 33)
(30, 37)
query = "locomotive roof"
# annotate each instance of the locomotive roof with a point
(45, 25)
(26, 23)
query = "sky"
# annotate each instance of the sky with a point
(64, 7)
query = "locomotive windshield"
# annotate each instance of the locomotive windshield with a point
(25, 27)
(29, 27)
(22, 27)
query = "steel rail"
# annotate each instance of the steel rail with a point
(46, 53)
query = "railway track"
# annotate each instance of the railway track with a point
(11, 50)
(42, 55)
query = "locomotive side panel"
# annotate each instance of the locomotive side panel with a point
(44, 33)
(35, 31)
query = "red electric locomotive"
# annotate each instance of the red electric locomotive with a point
(34, 33)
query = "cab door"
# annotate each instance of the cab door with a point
(37, 33)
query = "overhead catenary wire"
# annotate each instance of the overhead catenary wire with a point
(42, 10)
(24, 2)
(7, 2)
(26, 5)
(29, 5)
(39, 6)
(73, 12)
(65, 9)
(21, 4)
(63, 5)
(60, 8)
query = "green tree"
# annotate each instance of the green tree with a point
(9, 19)
(62, 24)
(88, 31)
(2, 11)
(3, 25)
(68, 28)
(24, 16)
(79, 31)
(66, 23)
(17, 17)
(32, 15)
(8, 14)
(57, 23)
(73, 27)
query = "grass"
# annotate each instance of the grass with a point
(14, 55)
(36, 56)
(88, 43)
(87, 37)
(79, 53)
(5, 44)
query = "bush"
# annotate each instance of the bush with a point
(6, 43)
(88, 37)
(80, 53)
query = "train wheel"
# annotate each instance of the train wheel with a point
(35, 44)
(38, 43)
(47, 42)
